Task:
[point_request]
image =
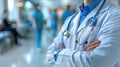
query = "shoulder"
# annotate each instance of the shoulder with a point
(113, 21)
(111, 25)
(114, 10)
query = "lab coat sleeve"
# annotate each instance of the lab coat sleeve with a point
(107, 54)
(56, 45)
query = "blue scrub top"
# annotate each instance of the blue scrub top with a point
(87, 9)
(54, 16)
(38, 16)
(54, 19)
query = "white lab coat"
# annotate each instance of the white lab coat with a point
(107, 30)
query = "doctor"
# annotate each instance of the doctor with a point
(38, 20)
(89, 38)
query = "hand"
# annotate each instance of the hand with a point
(93, 45)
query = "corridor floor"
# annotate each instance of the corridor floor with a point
(26, 55)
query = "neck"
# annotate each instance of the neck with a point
(86, 2)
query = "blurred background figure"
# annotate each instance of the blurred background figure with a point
(54, 23)
(67, 12)
(7, 26)
(73, 8)
(38, 26)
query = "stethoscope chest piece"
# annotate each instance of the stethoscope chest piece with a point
(66, 34)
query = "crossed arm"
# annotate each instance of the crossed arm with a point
(102, 53)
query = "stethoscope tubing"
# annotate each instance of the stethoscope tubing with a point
(83, 29)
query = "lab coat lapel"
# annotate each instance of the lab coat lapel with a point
(76, 22)
(92, 13)
(83, 32)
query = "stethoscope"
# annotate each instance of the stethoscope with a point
(91, 22)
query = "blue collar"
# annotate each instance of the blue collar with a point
(90, 6)
(87, 9)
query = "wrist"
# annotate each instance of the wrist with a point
(57, 54)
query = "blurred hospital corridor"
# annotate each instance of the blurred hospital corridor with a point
(26, 54)
(29, 27)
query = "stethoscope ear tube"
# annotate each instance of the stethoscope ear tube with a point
(68, 27)
(66, 32)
